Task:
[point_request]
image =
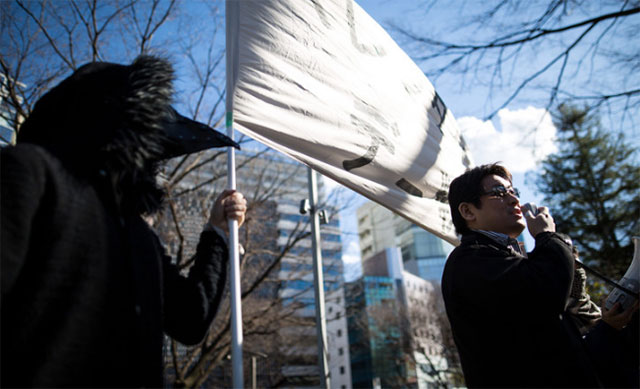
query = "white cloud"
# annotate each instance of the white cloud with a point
(351, 251)
(352, 269)
(526, 137)
(351, 257)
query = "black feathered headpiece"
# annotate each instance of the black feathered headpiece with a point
(117, 120)
(101, 102)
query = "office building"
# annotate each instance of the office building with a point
(394, 338)
(423, 253)
(7, 113)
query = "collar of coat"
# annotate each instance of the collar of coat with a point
(503, 240)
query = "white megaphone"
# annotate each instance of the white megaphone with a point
(631, 281)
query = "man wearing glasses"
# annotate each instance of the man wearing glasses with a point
(506, 307)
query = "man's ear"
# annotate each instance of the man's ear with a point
(467, 211)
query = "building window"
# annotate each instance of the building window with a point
(340, 351)
(341, 369)
(339, 332)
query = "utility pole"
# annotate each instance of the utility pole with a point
(311, 206)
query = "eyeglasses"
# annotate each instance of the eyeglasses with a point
(501, 191)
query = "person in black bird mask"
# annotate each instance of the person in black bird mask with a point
(87, 291)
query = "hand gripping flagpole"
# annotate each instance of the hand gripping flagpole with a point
(234, 258)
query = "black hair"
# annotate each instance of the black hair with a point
(467, 188)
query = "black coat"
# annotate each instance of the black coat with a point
(87, 291)
(507, 314)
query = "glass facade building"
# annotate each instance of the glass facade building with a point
(423, 253)
(375, 333)
(393, 338)
(7, 135)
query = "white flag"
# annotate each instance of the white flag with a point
(322, 82)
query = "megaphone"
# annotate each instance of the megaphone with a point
(630, 281)
(530, 207)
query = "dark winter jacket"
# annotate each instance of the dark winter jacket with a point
(86, 295)
(87, 291)
(507, 314)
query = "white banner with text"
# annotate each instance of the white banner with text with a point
(322, 82)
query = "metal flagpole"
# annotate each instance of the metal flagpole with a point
(318, 281)
(234, 257)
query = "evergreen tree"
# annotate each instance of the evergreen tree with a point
(592, 187)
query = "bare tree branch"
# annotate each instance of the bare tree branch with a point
(564, 55)
(556, 40)
(519, 37)
(45, 31)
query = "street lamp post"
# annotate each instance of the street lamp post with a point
(311, 206)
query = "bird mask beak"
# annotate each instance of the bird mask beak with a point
(187, 136)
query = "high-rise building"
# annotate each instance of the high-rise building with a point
(338, 339)
(7, 134)
(423, 253)
(425, 317)
(374, 317)
(376, 229)
(394, 338)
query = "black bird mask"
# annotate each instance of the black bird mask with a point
(115, 123)
(100, 101)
